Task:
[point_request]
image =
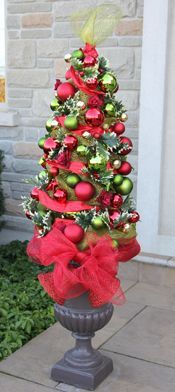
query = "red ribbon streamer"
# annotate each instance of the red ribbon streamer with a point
(96, 272)
(54, 205)
(74, 166)
(81, 85)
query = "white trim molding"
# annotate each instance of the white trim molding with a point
(155, 38)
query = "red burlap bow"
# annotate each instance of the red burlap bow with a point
(93, 270)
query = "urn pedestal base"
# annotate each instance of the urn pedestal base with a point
(82, 366)
(86, 378)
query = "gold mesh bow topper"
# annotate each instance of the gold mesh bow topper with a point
(94, 25)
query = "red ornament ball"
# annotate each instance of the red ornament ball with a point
(50, 144)
(125, 168)
(89, 61)
(126, 150)
(94, 117)
(53, 171)
(65, 90)
(117, 201)
(115, 216)
(35, 193)
(92, 83)
(70, 142)
(119, 128)
(135, 217)
(74, 232)
(28, 215)
(60, 195)
(84, 191)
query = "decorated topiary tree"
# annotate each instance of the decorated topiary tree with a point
(81, 201)
(81, 204)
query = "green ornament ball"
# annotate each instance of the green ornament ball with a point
(48, 125)
(54, 104)
(71, 122)
(77, 54)
(82, 150)
(110, 110)
(126, 187)
(108, 82)
(42, 175)
(97, 163)
(51, 124)
(97, 223)
(118, 180)
(72, 180)
(41, 142)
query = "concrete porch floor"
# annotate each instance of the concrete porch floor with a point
(140, 339)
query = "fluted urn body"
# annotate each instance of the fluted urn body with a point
(82, 366)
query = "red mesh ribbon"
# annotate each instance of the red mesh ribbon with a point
(82, 128)
(96, 270)
(81, 85)
(74, 166)
(68, 206)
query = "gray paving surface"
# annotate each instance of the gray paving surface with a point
(140, 339)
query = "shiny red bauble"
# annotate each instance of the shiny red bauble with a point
(74, 232)
(35, 193)
(117, 201)
(89, 61)
(50, 144)
(28, 215)
(126, 150)
(119, 128)
(84, 190)
(70, 142)
(94, 117)
(65, 90)
(125, 168)
(68, 74)
(135, 217)
(92, 83)
(53, 171)
(60, 195)
(115, 216)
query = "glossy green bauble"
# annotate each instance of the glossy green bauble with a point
(72, 180)
(82, 150)
(118, 180)
(97, 163)
(54, 104)
(126, 187)
(97, 223)
(108, 82)
(48, 125)
(77, 54)
(41, 142)
(110, 110)
(42, 175)
(51, 124)
(71, 122)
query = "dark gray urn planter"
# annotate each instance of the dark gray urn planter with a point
(82, 366)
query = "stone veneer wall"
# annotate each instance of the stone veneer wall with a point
(38, 36)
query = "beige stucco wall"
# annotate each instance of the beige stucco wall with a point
(38, 36)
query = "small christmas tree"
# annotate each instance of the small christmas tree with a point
(81, 204)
